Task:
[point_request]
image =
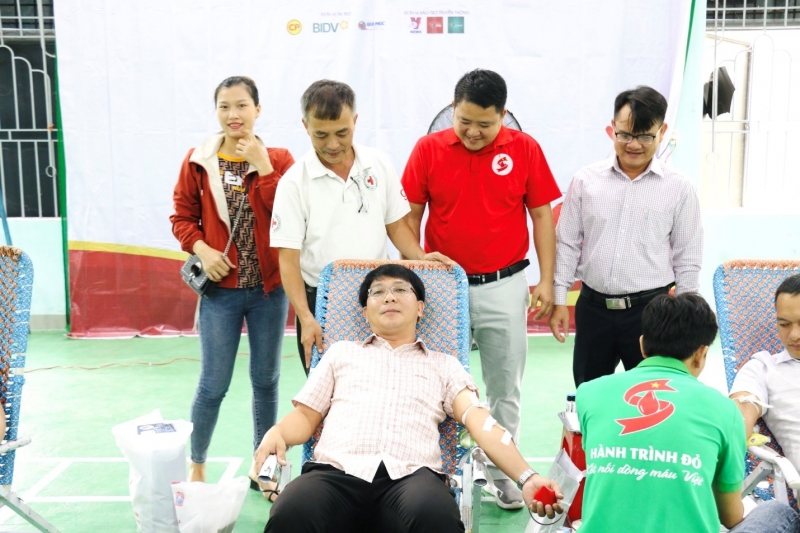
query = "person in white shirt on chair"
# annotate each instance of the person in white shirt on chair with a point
(377, 465)
(768, 386)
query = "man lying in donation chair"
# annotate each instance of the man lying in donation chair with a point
(663, 449)
(444, 327)
(377, 465)
(767, 386)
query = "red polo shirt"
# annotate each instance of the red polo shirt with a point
(478, 201)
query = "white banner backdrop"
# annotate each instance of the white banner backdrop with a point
(137, 81)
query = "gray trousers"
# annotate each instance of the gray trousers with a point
(498, 314)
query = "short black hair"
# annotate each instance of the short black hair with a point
(327, 98)
(482, 87)
(248, 83)
(391, 270)
(790, 286)
(648, 107)
(676, 326)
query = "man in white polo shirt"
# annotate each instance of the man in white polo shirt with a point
(339, 201)
(768, 386)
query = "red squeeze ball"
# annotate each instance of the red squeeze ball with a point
(545, 495)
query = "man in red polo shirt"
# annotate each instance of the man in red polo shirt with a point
(478, 180)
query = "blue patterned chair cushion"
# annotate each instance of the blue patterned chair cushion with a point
(16, 287)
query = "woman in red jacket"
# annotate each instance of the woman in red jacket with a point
(229, 168)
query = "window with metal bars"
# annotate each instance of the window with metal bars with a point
(28, 175)
(26, 17)
(750, 14)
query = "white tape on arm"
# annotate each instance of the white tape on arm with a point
(753, 399)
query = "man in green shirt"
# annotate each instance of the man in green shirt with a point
(663, 451)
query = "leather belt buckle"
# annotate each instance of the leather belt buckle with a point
(496, 276)
(618, 303)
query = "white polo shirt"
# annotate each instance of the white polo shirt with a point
(328, 218)
(775, 380)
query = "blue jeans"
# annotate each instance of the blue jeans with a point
(222, 312)
(770, 517)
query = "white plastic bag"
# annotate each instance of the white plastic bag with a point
(568, 476)
(156, 451)
(204, 508)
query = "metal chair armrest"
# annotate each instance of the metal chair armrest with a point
(12, 445)
(778, 463)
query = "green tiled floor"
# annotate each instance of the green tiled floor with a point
(69, 414)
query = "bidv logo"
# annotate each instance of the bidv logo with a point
(414, 24)
(371, 25)
(294, 27)
(330, 27)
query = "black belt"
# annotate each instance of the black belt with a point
(624, 301)
(480, 279)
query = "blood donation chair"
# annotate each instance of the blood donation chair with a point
(444, 328)
(744, 291)
(16, 287)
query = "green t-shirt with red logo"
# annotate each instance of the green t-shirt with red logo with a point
(657, 441)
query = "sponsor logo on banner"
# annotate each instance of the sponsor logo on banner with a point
(455, 24)
(294, 27)
(435, 25)
(378, 25)
(329, 27)
(502, 164)
(435, 20)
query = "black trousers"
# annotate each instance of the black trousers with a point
(325, 499)
(311, 298)
(603, 338)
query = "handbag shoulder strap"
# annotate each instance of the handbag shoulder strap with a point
(236, 220)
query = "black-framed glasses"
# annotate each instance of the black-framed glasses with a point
(645, 139)
(399, 291)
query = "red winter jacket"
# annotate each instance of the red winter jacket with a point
(201, 211)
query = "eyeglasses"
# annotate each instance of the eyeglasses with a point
(359, 180)
(399, 291)
(645, 139)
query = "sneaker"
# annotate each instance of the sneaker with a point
(506, 494)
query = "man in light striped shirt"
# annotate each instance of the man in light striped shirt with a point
(377, 465)
(629, 229)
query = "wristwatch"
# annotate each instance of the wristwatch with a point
(524, 477)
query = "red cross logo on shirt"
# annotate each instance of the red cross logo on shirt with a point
(371, 182)
(276, 223)
(502, 164)
(652, 410)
